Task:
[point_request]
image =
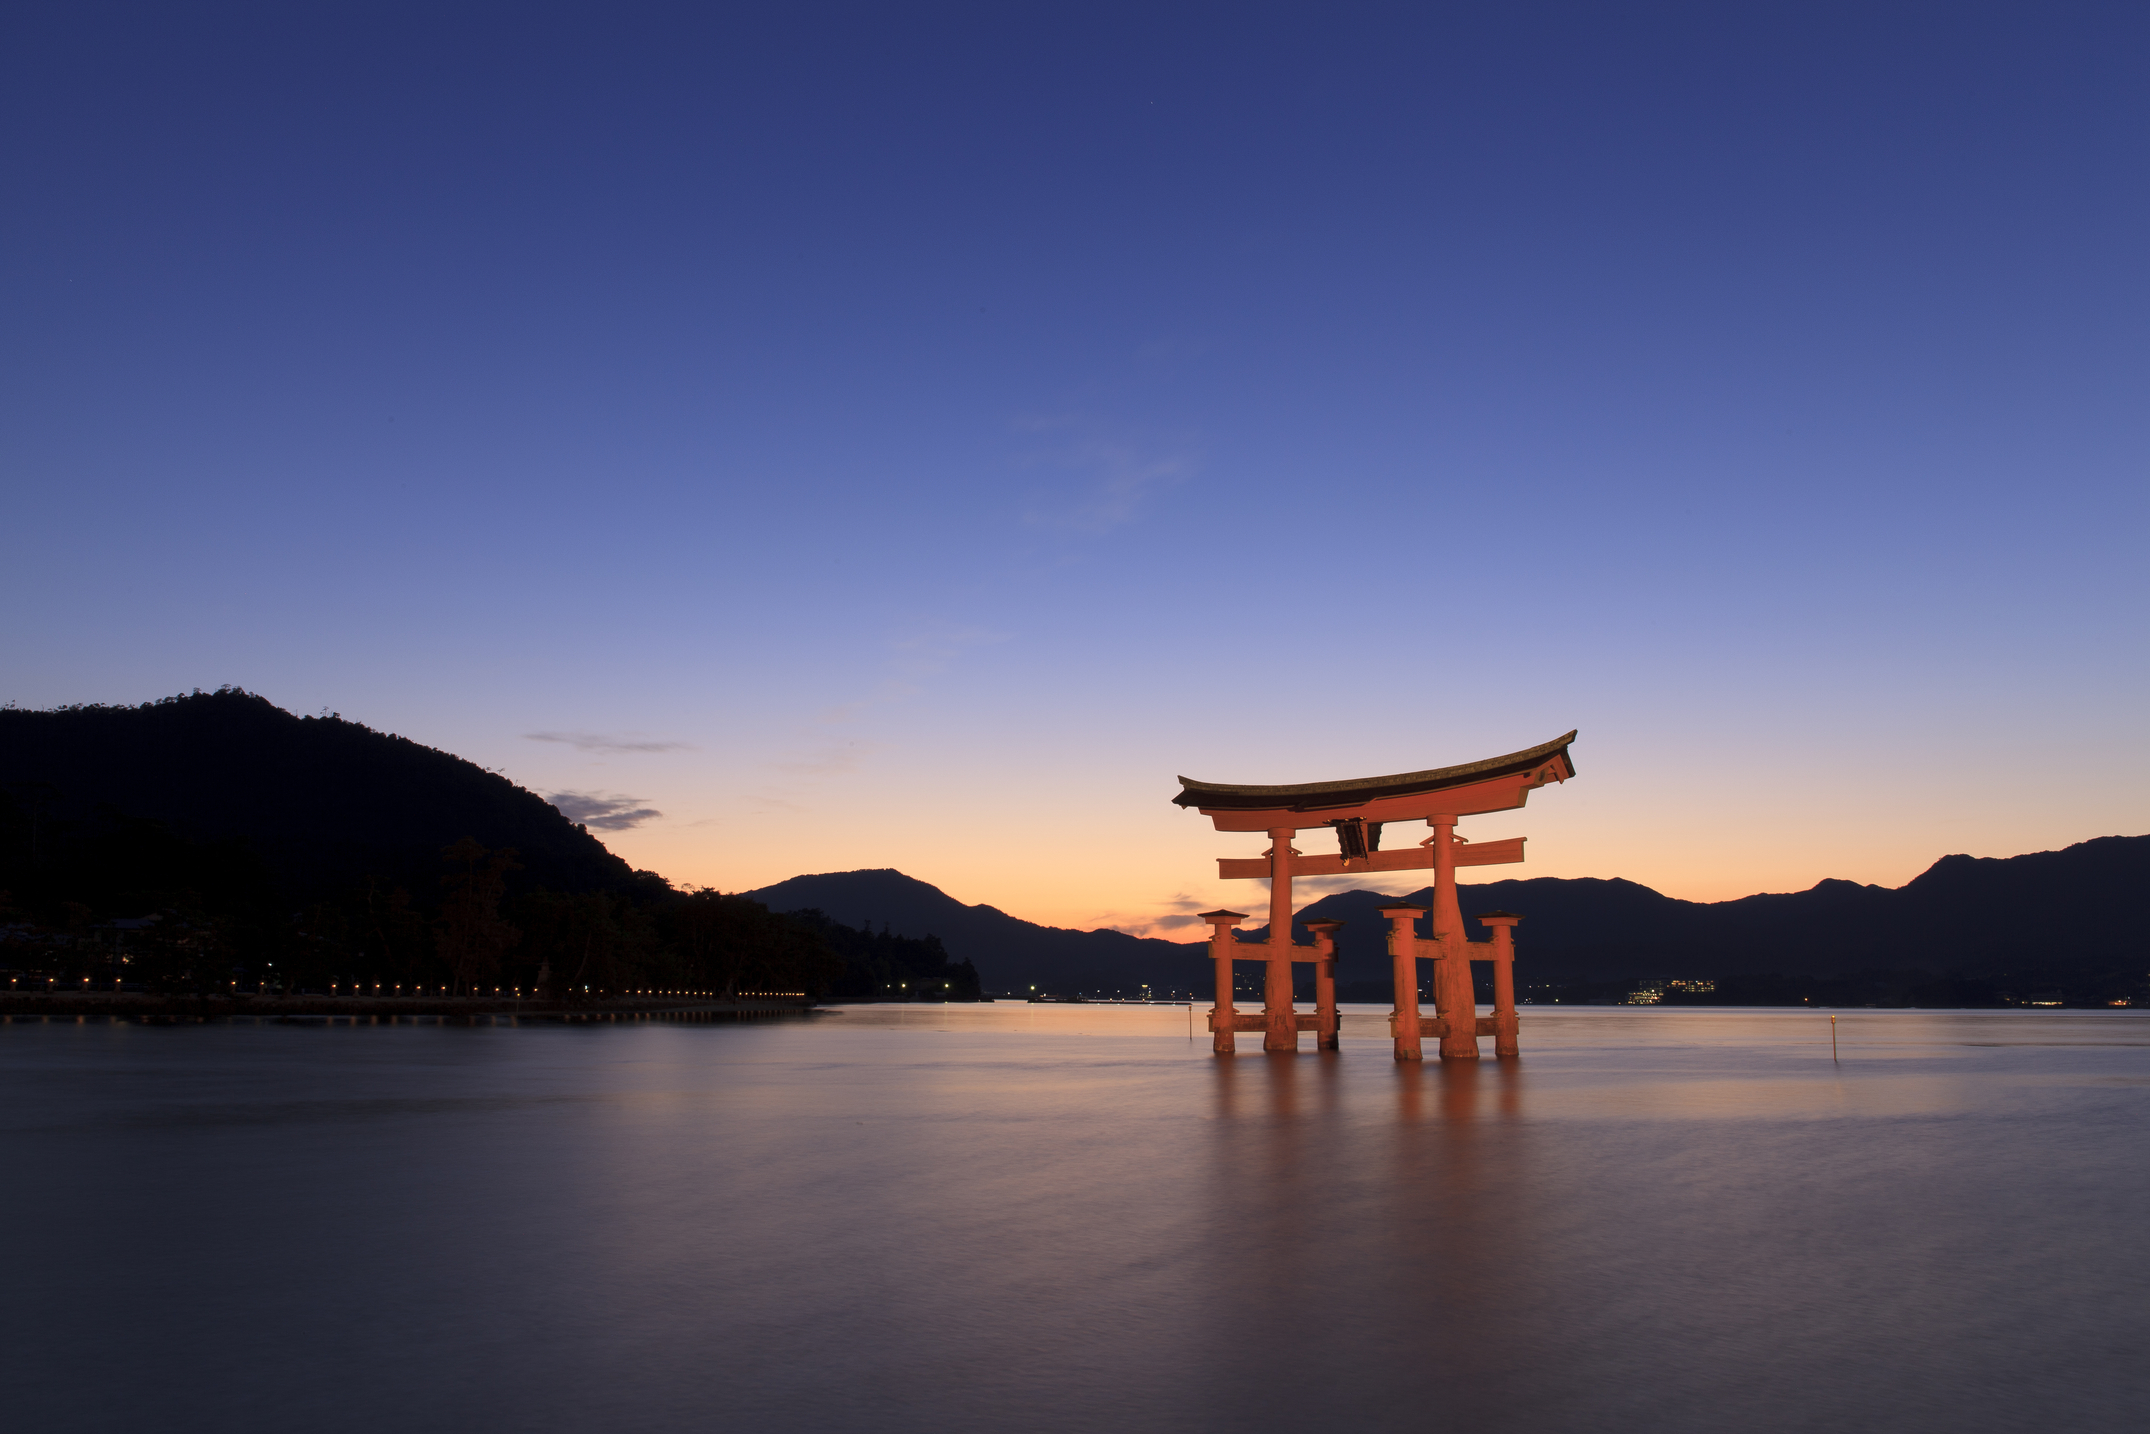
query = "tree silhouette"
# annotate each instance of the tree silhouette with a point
(471, 936)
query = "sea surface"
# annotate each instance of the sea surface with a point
(1039, 1218)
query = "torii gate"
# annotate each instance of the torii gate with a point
(1357, 810)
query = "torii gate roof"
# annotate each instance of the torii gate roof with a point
(1547, 759)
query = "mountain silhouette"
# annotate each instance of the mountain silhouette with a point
(2060, 917)
(2057, 914)
(224, 794)
(317, 800)
(1012, 955)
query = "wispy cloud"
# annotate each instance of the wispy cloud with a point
(830, 761)
(1179, 912)
(914, 655)
(600, 742)
(606, 811)
(928, 651)
(1108, 479)
(841, 713)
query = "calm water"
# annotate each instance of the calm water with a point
(1070, 1218)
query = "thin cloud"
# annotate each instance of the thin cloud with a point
(927, 652)
(606, 811)
(1180, 909)
(841, 713)
(600, 742)
(914, 655)
(831, 761)
(1111, 480)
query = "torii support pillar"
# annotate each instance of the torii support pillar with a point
(1326, 1029)
(1223, 1016)
(1403, 960)
(1505, 1021)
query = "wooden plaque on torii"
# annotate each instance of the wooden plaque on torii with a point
(1357, 811)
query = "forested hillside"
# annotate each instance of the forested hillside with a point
(214, 840)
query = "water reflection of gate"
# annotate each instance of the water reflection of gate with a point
(1368, 1239)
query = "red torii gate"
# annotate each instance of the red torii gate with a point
(1357, 810)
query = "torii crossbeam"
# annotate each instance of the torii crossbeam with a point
(1357, 810)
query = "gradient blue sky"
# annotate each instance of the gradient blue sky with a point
(910, 435)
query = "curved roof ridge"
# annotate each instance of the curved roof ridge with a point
(1431, 778)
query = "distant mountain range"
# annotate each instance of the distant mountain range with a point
(2062, 914)
(224, 801)
(2060, 917)
(1011, 954)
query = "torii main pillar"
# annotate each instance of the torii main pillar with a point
(1356, 811)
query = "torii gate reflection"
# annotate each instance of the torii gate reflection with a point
(1357, 810)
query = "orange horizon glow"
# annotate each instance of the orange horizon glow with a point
(1136, 888)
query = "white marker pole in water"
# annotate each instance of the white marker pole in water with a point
(1832, 1037)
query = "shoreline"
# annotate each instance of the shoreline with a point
(130, 1004)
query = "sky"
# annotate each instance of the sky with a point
(799, 437)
